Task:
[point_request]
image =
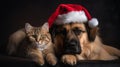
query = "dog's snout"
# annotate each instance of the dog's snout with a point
(72, 42)
(72, 46)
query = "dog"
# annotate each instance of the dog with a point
(76, 41)
(75, 35)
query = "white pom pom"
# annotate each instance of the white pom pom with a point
(93, 23)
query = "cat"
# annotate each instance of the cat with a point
(34, 43)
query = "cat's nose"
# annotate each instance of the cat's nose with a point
(37, 40)
(37, 43)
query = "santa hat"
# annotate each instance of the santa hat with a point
(70, 13)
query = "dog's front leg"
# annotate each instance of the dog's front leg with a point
(80, 57)
(69, 59)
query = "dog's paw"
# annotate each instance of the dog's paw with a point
(69, 59)
(51, 59)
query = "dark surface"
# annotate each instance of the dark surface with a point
(7, 61)
(15, 13)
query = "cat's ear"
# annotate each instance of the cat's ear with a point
(45, 26)
(28, 27)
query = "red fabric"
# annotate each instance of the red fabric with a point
(66, 8)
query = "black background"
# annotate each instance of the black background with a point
(15, 13)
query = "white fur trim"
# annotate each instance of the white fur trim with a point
(93, 23)
(74, 16)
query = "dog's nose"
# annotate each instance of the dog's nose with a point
(72, 47)
(72, 43)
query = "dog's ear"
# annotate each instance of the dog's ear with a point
(52, 31)
(92, 32)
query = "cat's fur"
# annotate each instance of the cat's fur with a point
(34, 43)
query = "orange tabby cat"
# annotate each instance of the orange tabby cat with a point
(34, 43)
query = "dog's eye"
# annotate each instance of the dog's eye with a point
(62, 31)
(77, 32)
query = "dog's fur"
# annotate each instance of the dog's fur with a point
(67, 37)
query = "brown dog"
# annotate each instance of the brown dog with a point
(76, 41)
(74, 33)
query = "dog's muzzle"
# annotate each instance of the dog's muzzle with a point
(72, 47)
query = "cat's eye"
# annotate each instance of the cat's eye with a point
(34, 36)
(43, 37)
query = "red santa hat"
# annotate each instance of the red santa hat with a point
(70, 13)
